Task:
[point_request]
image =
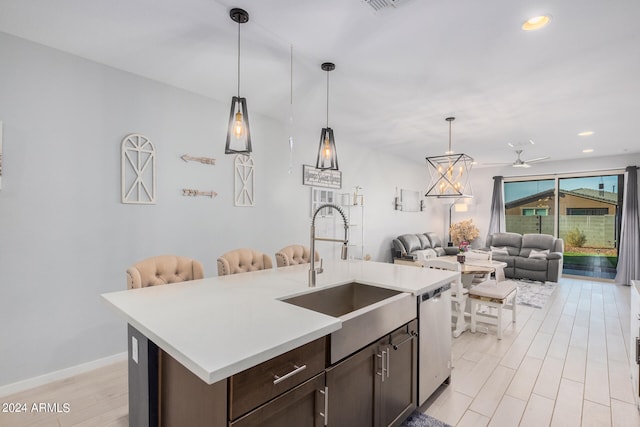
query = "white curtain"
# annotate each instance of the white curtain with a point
(628, 251)
(497, 219)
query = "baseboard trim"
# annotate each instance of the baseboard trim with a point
(27, 384)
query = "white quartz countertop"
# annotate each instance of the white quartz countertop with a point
(219, 326)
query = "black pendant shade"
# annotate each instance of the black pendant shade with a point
(238, 133)
(327, 156)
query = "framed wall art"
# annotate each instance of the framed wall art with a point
(321, 178)
(138, 165)
(244, 181)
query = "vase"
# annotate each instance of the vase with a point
(461, 258)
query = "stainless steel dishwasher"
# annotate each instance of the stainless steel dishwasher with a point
(434, 334)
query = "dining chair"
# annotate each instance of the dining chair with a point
(243, 260)
(163, 269)
(458, 292)
(499, 294)
(472, 255)
(294, 255)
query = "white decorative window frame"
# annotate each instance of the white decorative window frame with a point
(138, 165)
(319, 196)
(244, 181)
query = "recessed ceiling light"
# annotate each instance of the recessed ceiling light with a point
(536, 22)
(588, 150)
(586, 133)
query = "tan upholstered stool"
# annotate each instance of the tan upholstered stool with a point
(242, 261)
(294, 255)
(163, 269)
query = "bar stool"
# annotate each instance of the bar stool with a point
(163, 269)
(499, 294)
(294, 255)
(243, 260)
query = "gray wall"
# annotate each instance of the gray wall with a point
(65, 238)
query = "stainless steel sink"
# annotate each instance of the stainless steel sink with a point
(367, 313)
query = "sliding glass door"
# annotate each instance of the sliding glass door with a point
(583, 210)
(589, 222)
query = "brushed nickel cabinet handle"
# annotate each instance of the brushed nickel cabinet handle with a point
(325, 414)
(278, 379)
(384, 364)
(388, 357)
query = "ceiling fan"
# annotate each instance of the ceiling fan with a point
(519, 163)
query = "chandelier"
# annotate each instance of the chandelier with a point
(449, 173)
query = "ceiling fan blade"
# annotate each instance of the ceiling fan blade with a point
(537, 159)
(496, 164)
(521, 165)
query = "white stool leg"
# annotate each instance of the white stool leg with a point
(499, 326)
(461, 324)
(474, 306)
(513, 309)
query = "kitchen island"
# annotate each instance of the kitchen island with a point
(219, 327)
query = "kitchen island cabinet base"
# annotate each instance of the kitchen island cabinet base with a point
(162, 392)
(143, 379)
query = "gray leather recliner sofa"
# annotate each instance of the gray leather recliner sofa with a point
(520, 265)
(409, 244)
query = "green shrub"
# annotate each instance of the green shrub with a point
(576, 238)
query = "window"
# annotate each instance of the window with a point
(535, 211)
(529, 205)
(587, 211)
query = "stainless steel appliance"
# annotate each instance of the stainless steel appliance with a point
(434, 334)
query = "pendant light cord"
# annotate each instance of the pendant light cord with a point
(450, 137)
(327, 99)
(238, 59)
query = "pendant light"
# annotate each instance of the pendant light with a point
(238, 134)
(449, 173)
(327, 156)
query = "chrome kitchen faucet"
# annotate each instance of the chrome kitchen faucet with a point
(313, 271)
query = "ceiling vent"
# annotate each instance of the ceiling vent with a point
(379, 5)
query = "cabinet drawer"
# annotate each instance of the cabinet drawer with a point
(302, 406)
(251, 388)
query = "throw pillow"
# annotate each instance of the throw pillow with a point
(499, 251)
(539, 254)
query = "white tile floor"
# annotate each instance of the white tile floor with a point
(564, 365)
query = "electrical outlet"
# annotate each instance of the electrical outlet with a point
(134, 349)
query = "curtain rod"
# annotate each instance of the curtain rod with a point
(565, 174)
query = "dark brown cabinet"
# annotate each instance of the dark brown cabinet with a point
(396, 386)
(261, 383)
(377, 385)
(351, 389)
(302, 406)
(186, 400)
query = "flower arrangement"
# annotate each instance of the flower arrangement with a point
(463, 247)
(463, 232)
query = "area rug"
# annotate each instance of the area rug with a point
(418, 419)
(534, 294)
